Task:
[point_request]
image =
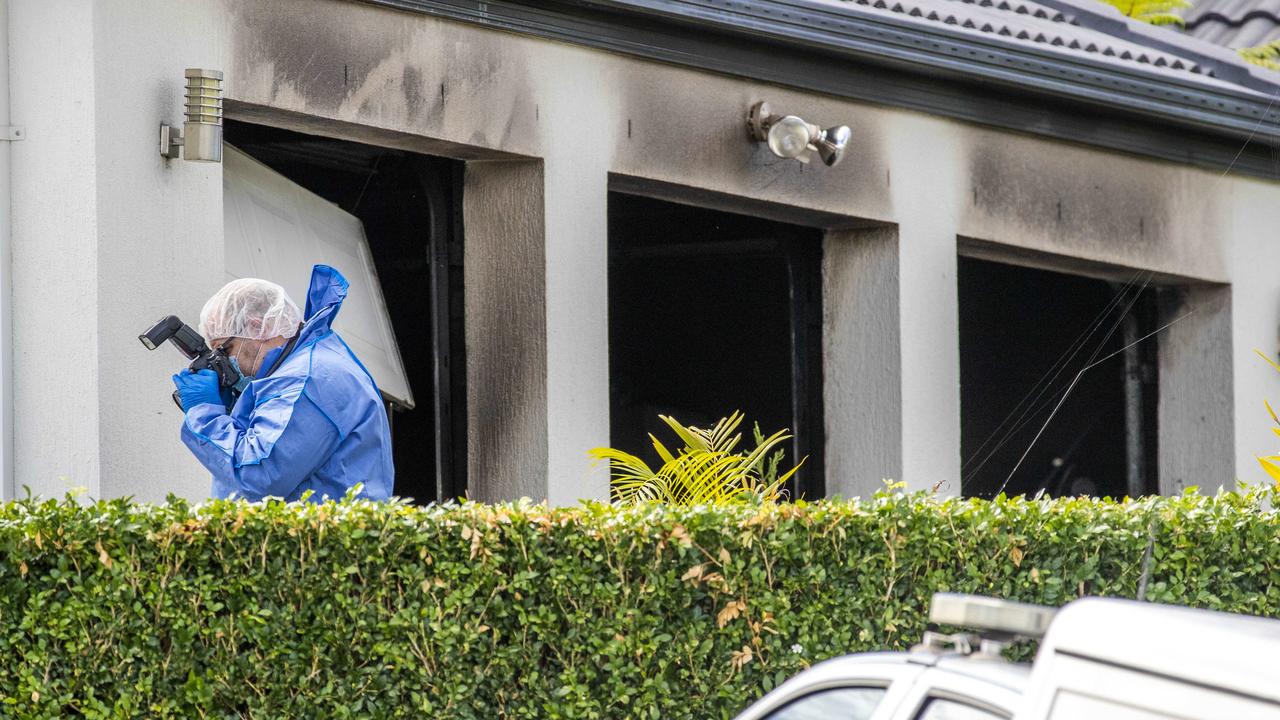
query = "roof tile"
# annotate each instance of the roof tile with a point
(1031, 22)
(1235, 23)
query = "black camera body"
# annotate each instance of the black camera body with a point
(189, 342)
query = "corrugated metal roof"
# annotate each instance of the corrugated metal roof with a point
(1235, 23)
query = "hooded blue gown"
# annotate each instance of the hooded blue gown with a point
(317, 423)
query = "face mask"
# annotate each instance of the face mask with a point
(232, 393)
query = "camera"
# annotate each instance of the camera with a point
(189, 342)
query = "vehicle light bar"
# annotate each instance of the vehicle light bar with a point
(991, 614)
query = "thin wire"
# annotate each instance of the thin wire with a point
(1092, 356)
(372, 171)
(1252, 132)
(1033, 410)
(1050, 375)
(1183, 316)
(1047, 379)
(1072, 387)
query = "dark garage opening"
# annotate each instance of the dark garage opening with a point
(1024, 335)
(711, 312)
(410, 205)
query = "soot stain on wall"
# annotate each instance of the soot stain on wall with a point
(359, 63)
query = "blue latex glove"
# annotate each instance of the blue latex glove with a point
(195, 388)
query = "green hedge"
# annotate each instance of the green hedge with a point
(365, 610)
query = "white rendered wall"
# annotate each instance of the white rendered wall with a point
(108, 237)
(1255, 318)
(578, 157)
(57, 368)
(506, 339)
(927, 184)
(6, 276)
(1194, 417)
(159, 234)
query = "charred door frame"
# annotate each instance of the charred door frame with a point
(444, 190)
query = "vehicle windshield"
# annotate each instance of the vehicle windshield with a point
(941, 709)
(847, 703)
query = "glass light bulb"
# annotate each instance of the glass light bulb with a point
(789, 137)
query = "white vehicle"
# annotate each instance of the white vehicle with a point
(1100, 659)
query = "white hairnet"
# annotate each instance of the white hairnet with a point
(249, 308)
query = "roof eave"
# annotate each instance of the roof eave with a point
(876, 59)
(1237, 113)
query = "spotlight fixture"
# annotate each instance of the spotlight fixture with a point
(201, 135)
(789, 136)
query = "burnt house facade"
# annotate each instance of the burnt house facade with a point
(1043, 262)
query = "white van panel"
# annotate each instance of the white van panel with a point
(276, 230)
(1075, 688)
(1076, 705)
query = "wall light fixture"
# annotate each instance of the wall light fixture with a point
(789, 136)
(200, 137)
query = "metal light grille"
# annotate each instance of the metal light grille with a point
(204, 96)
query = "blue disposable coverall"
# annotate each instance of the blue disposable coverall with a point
(316, 423)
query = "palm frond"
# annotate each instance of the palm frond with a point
(693, 440)
(662, 449)
(706, 471)
(1269, 463)
(721, 438)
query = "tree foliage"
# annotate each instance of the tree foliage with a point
(1268, 55)
(1156, 12)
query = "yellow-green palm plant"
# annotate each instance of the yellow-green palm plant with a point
(1156, 12)
(706, 471)
(1271, 463)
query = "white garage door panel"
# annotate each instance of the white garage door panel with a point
(277, 230)
(239, 256)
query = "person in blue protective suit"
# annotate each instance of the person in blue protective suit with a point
(310, 419)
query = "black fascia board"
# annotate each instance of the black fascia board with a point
(1154, 125)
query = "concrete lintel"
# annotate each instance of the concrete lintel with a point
(701, 197)
(1072, 265)
(358, 132)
